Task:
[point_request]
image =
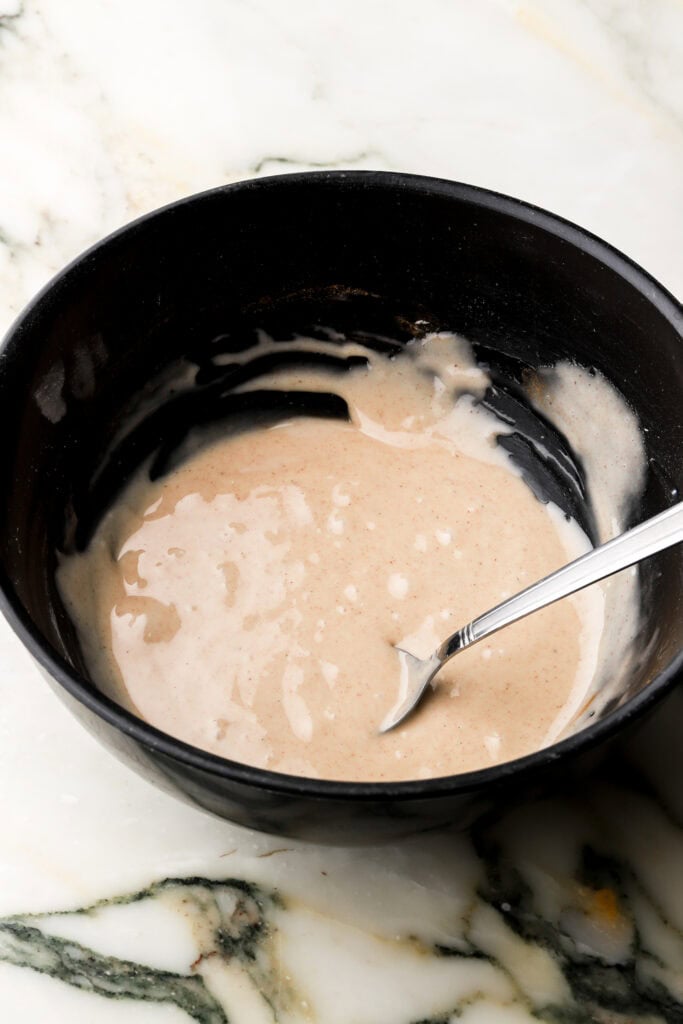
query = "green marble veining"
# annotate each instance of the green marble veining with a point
(612, 986)
(288, 161)
(236, 937)
(106, 976)
(560, 911)
(617, 991)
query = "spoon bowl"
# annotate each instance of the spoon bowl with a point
(643, 541)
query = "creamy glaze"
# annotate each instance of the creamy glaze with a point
(249, 600)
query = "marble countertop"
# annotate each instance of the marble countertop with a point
(117, 903)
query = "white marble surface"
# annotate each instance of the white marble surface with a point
(108, 109)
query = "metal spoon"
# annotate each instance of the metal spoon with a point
(662, 531)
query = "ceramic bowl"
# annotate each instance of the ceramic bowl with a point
(386, 254)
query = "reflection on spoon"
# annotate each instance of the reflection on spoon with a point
(656, 534)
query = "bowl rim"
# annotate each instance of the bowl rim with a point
(158, 742)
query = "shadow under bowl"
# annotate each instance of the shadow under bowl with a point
(376, 254)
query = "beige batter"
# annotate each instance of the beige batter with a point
(248, 602)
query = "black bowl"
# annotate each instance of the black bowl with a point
(386, 254)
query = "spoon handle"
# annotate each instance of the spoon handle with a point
(656, 534)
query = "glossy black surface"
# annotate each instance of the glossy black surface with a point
(384, 254)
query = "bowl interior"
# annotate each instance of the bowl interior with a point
(116, 360)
